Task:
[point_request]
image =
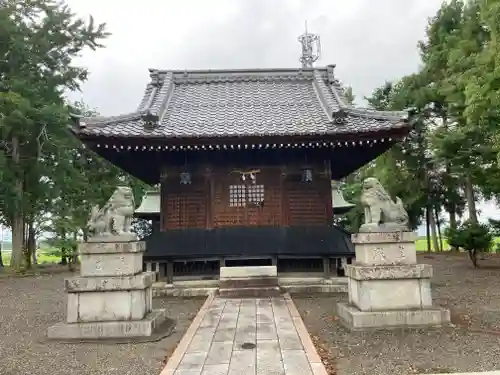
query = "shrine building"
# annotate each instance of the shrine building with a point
(245, 161)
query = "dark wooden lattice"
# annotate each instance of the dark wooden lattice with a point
(242, 203)
(186, 210)
(306, 204)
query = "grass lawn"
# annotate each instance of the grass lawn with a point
(43, 257)
(422, 244)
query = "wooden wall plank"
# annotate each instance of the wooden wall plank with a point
(210, 202)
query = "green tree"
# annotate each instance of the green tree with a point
(407, 161)
(81, 180)
(455, 37)
(38, 41)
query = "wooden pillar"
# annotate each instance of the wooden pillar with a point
(284, 197)
(334, 265)
(161, 271)
(327, 174)
(170, 272)
(209, 197)
(163, 200)
(326, 268)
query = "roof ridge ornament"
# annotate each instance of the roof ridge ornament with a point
(330, 71)
(311, 48)
(340, 116)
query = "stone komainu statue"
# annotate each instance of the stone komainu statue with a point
(115, 217)
(381, 212)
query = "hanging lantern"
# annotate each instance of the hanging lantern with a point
(307, 175)
(253, 178)
(185, 178)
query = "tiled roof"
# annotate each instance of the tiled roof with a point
(150, 203)
(185, 104)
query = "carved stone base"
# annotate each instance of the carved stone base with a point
(384, 227)
(385, 248)
(98, 259)
(102, 299)
(384, 288)
(112, 297)
(387, 289)
(357, 320)
(126, 237)
(108, 330)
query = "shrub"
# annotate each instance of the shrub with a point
(475, 238)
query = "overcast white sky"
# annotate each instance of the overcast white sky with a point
(370, 41)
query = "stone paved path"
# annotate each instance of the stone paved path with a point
(246, 337)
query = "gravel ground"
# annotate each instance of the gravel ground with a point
(29, 305)
(473, 295)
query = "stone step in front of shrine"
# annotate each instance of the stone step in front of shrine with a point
(249, 282)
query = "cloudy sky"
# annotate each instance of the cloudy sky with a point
(370, 41)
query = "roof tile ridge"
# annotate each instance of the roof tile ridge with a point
(380, 115)
(326, 100)
(334, 108)
(335, 87)
(148, 97)
(151, 90)
(360, 112)
(83, 121)
(156, 109)
(239, 76)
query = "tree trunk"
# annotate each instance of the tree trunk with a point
(427, 228)
(1, 260)
(471, 199)
(453, 223)
(74, 253)
(27, 248)
(432, 225)
(85, 232)
(64, 252)
(32, 243)
(451, 207)
(64, 259)
(16, 260)
(438, 226)
(473, 258)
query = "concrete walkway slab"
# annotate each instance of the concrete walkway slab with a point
(255, 336)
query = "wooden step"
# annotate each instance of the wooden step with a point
(251, 292)
(249, 282)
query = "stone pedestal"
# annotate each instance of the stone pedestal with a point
(387, 289)
(112, 297)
